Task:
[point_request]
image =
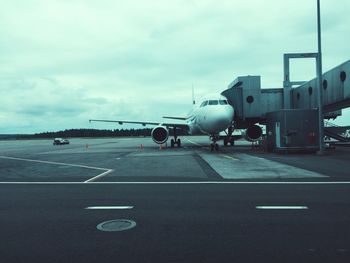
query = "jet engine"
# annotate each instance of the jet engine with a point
(160, 134)
(252, 133)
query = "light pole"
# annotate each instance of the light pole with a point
(319, 77)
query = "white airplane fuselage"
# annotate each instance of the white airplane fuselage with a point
(213, 115)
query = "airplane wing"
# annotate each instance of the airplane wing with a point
(174, 118)
(144, 123)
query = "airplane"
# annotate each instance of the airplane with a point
(213, 116)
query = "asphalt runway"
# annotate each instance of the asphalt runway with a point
(189, 205)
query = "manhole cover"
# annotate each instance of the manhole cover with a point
(116, 225)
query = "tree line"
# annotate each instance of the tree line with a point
(73, 133)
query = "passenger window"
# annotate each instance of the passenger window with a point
(213, 102)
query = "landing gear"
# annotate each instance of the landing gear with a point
(214, 145)
(175, 140)
(232, 141)
(229, 139)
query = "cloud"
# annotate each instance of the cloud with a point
(64, 62)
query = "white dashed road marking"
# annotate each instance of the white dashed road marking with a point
(108, 207)
(282, 207)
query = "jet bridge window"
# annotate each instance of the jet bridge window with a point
(213, 102)
(223, 102)
(204, 103)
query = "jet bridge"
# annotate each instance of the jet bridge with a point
(254, 104)
(251, 103)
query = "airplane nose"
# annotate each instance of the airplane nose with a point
(222, 118)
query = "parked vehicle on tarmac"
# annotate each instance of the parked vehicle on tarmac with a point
(60, 141)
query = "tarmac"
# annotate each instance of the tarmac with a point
(185, 204)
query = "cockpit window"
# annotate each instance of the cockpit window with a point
(213, 102)
(204, 103)
(223, 102)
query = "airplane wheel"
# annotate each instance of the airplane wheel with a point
(232, 141)
(225, 142)
(172, 143)
(178, 143)
(211, 147)
(216, 147)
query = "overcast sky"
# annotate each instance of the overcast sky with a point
(64, 62)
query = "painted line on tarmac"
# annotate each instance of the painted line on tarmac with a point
(106, 170)
(56, 163)
(108, 207)
(279, 207)
(231, 158)
(99, 176)
(202, 182)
